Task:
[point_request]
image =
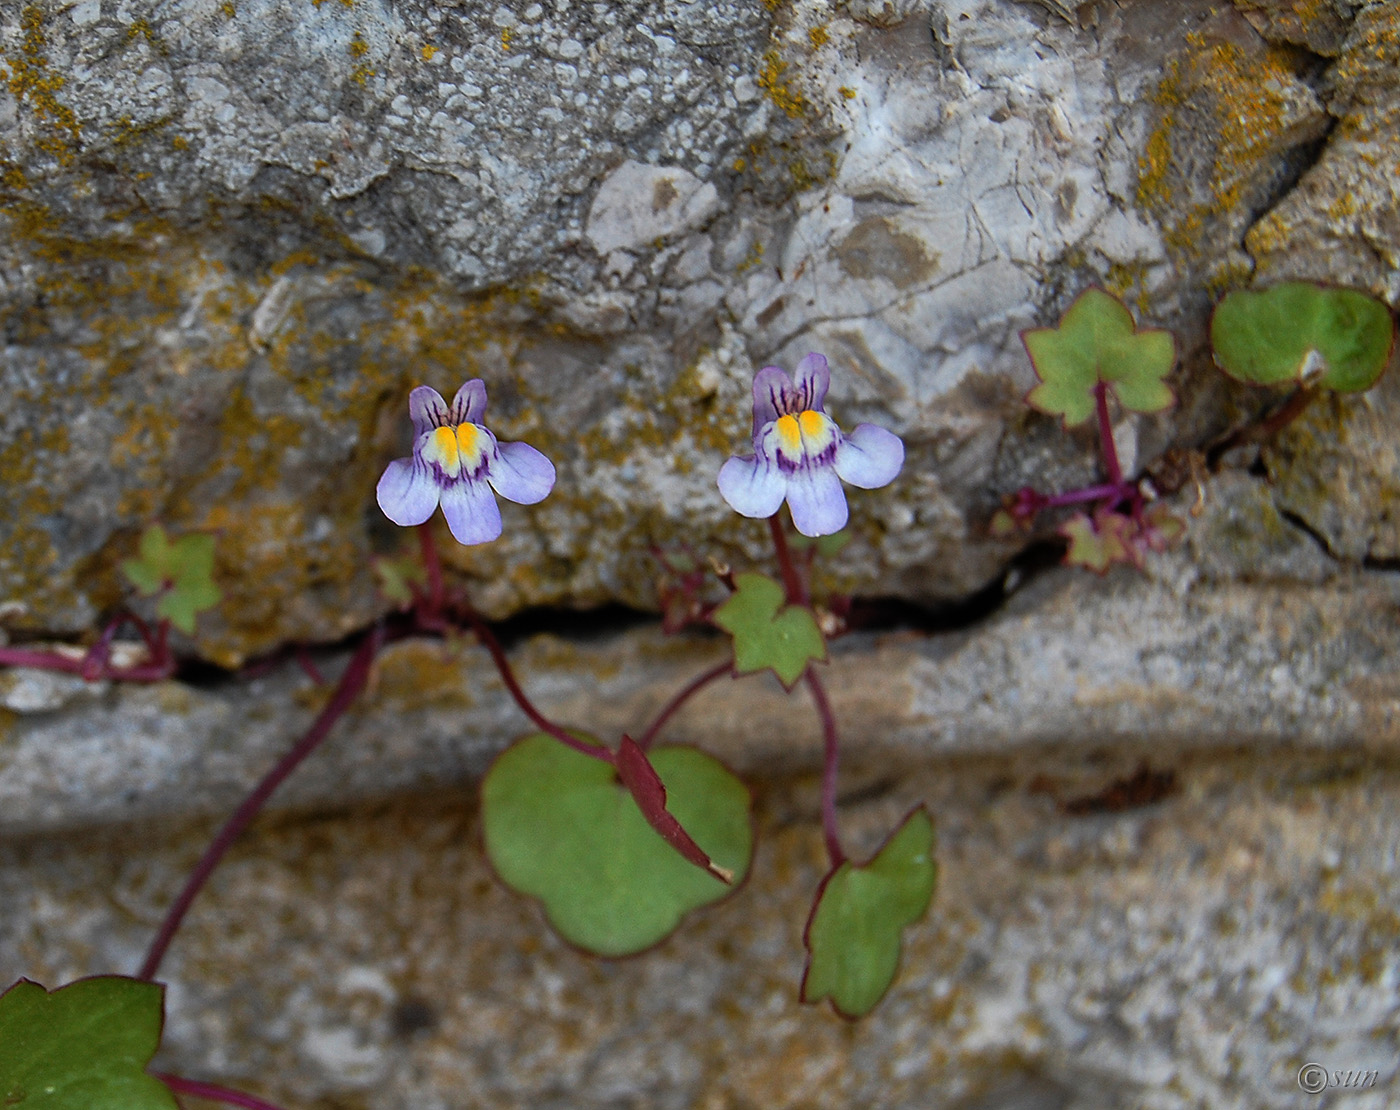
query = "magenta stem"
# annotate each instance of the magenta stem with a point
(832, 755)
(498, 656)
(1115, 491)
(432, 565)
(53, 661)
(792, 580)
(682, 696)
(352, 681)
(214, 1093)
(1106, 444)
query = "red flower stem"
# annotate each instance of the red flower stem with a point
(54, 661)
(352, 681)
(1106, 444)
(832, 754)
(792, 580)
(1292, 409)
(432, 565)
(214, 1093)
(498, 656)
(682, 696)
(1114, 491)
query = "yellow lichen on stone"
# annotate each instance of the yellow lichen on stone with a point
(32, 81)
(1241, 103)
(779, 88)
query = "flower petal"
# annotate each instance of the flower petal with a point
(407, 493)
(471, 511)
(753, 487)
(469, 406)
(427, 409)
(817, 501)
(870, 456)
(772, 395)
(521, 474)
(811, 378)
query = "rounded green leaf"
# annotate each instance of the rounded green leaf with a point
(560, 826)
(767, 633)
(179, 573)
(1097, 341)
(1303, 332)
(853, 937)
(85, 1045)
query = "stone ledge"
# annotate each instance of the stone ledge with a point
(1168, 663)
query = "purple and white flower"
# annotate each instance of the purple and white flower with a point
(801, 456)
(456, 463)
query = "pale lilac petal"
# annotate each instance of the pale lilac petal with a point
(869, 457)
(469, 406)
(521, 474)
(772, 395)
(753, 487)
(427, 409)
(812, 377)
(471, 511)
(407, 493)
(817, 501)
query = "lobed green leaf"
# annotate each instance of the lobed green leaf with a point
(769, 634)
(179, 574)
(82, 1046)
(560, 826)
(861, 910)
(1097, 341)
(1304, 332)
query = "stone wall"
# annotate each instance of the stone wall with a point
(234, 234)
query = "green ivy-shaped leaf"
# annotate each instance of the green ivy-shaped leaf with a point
(83, 1047)
(767, 633)
(1303, 332)
(179, 575)
(398, 577)
(1097, 543)
(853, 936)
(1097, 341)
(560, 826)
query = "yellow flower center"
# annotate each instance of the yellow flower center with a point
(453, 448)
(806, 435)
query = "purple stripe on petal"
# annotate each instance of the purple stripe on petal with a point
(772, 395)
(469, 406)
(407, 493)
(869, 457)
(521, 474)
(812, 377)
(471, 511)
(817, 501)
(427, 409)
(752, 487)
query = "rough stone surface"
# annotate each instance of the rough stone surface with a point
(1195, 952)
(1186, 657)
(235, 234)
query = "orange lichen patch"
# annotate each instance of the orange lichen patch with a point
(818, 37)
(359, 49)
(142, 29)
(31, 81)
(1247, 103)
(779, 88)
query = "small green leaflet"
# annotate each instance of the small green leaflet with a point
(1097, 543)
(1302, 332)
(397, 577)
(1097, 341)
(767, 633)
(82, 1047)
(560, 826)
(179, 574)
(853, 936)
